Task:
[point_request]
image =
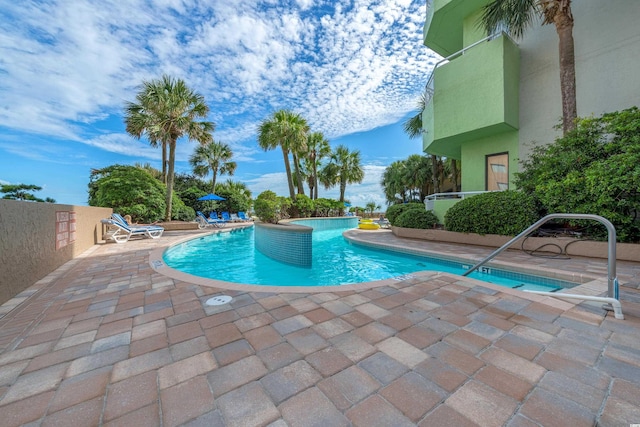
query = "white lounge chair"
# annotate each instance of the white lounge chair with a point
(120, 232)
(204, 222)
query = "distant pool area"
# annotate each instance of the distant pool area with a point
(232, 257)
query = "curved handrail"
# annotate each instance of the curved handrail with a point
(612, 281)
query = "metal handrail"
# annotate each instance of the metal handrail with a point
(612, 280)
(449, 195)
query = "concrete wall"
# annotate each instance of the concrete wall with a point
(36, 238)
(607, 49)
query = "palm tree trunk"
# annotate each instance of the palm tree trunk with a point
(214, 172)
(172, 159)
(287, 167)
(296, 165)
(454, 174)
(564, 28)
(315, 183)
(434, 173)
(164, 162)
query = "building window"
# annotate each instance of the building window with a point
(497, 175)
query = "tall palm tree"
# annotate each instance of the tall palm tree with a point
(413, 127)
(343, 168)
(318, 148)
(213, 157)
(393, 183)
(417, 174)
(518, 16)
(166, 110)
(287, 130)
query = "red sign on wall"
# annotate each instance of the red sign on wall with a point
(65, 228)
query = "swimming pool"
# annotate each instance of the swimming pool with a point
(232, 257)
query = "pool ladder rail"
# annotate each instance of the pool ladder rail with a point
(611, 301)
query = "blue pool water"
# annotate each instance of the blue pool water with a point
(232, 257)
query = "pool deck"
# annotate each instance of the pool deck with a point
(108, 340)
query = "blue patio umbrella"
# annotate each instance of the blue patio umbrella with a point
(211, 197)
(347, 204)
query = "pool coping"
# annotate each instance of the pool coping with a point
(592, 287)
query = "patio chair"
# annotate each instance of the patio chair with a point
(204, 222)
(225, 216)
(243, 216)
(214, 216)
(119, 232)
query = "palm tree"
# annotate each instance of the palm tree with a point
(395, 190)
(417, 175)
(518, 16)
(166, 110)
(287, 130)
(413, 127)
(317, 149)
(214, 158)
(343, 168)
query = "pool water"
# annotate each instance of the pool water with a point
(232, 257)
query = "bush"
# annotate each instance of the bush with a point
(415, 218)
(394, 211)
(303, 206)
(129, 191)
(594, 169)
(505, 213)
(180, 211)
(271, 208)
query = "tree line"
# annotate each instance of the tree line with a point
(166, 110)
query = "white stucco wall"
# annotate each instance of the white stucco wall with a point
(607, 47)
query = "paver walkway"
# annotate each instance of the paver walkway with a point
(106, 340)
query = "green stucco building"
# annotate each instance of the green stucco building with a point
(492, 100)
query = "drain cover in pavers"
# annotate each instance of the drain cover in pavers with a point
(218, 300)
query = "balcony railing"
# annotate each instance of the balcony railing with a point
(430, 200)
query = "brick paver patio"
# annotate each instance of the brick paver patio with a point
(107, 340)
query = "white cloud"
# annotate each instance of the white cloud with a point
(345, 68)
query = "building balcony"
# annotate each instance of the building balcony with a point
(474, 95)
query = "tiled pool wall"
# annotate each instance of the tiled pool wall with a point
(488, 270)
(286, 243)
(291, 241)
(321, 224)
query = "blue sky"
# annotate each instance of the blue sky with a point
(353, 69)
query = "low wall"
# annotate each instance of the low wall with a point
(575, 247)
(36, 238)
(319, 224)
(287, 242)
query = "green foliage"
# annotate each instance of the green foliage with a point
(502, 212)
(129, 191)
(22, 192)
(394, 211)
(371, 207)
(323, 206)
(271, 208)
(594, 169)
(180, 211)
(237, 196)
(416, 218)
(303, 205)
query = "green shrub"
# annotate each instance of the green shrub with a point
(180, 211)
(416, 218)
(394, 211)
(594, 169)
(505, 213)
(129, 191)
(271, 208)
(303, 205)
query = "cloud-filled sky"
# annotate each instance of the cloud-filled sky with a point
(353, 69)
